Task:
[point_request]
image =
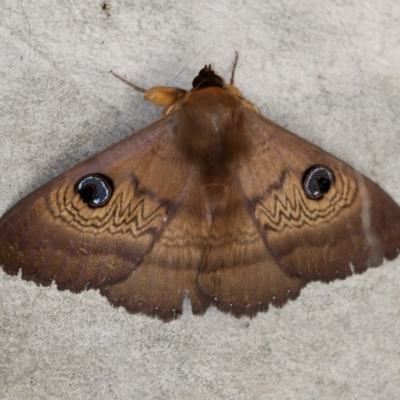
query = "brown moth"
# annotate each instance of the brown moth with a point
(214, 201)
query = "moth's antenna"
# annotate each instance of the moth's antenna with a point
(234, 67)
(138, 88)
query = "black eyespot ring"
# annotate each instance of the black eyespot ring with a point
(95, 189)
(317, 181)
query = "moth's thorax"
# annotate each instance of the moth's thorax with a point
(210, 131)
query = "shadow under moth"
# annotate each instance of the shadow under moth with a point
(213, 201)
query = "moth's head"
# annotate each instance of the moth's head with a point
(172, 98)
(207, 78)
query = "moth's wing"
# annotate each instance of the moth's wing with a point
(51, 235)
(352, 227)
(238, 273)
(269, 239)
(157, 287)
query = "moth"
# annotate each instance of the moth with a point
(212, 201)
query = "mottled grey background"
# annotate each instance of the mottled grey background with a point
(326, 70)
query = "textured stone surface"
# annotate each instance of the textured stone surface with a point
(328, 71)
